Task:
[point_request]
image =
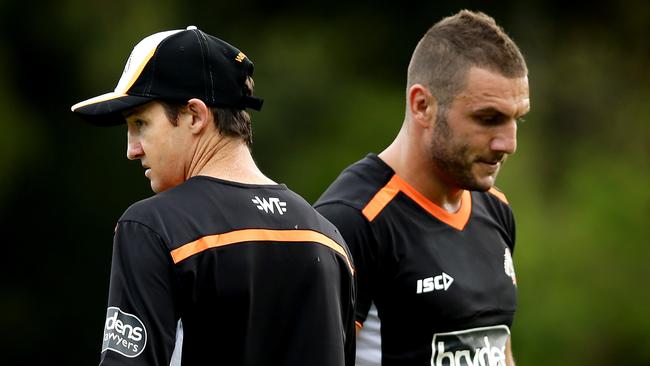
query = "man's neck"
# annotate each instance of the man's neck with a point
(416, 168)
(227, 159)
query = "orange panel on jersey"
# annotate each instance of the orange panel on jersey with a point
(457, 220)
(499, 195)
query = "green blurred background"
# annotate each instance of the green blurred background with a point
(333, 79)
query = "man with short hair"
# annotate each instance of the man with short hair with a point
(223, 265)
(430, 236)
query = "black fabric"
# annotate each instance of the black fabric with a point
(185, 65)
(404, 245)
(356, 229)
(107, 112)
(247, 303)
(192, 64)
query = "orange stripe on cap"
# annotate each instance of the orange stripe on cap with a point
(137, 73)
(499, 195)
(257, 235)
(457, 220)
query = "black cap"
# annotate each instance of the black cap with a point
(176, 65)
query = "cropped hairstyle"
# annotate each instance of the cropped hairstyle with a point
(457, 43)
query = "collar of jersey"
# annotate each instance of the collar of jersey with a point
(457, 219)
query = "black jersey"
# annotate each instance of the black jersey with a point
(443, 283)
(252, 272)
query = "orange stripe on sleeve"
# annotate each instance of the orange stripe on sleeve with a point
(499, 195)
(381, 199)
(257, 235)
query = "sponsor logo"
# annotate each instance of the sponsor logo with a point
(124, 333)
(472, 347)
(272, 205)
(509, 266)
(240, 57)
(440, 282)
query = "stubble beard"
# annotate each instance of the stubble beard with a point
(451, 159)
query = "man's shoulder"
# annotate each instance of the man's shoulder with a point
(493, 203)
(357, 184)
(145, 210)
(164, 204)
(493, 198)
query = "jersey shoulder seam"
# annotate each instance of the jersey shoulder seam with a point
(146, 226)
(338, 201)
(494, 191)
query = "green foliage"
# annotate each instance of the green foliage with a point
(333, 83)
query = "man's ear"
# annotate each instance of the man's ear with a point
(199, 113)
(422, 105)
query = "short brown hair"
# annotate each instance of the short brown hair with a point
(230, 121)
(452, 46)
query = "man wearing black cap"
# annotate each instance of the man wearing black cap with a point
(222, 265)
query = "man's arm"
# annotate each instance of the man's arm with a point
(358, 236)
(510, 361)
(140, 326)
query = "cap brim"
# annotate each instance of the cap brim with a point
(105, 110)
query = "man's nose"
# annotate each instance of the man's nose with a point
(133, 146)
(505, 140)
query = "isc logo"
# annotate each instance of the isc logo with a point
(440, 282)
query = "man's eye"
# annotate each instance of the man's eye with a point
(489, 120)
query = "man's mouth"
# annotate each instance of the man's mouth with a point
(491, 164)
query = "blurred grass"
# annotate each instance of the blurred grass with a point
(333, 81)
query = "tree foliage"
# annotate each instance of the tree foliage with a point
(333, 79)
